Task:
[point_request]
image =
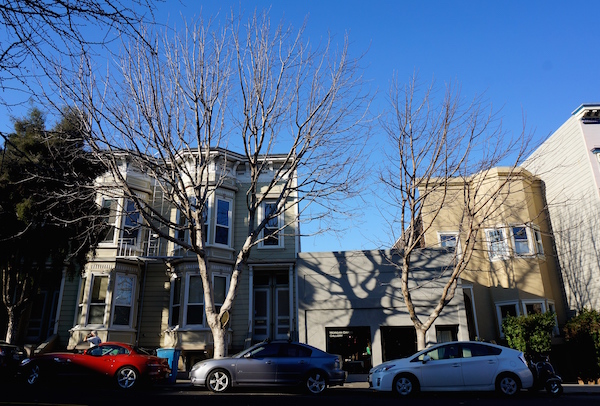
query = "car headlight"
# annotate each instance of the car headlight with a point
(198, 365)
(383, 368)
(25, 362)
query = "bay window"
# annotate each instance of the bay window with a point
(521, 243)
(175, 302)
(271, 236)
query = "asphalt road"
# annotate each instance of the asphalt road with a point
(183, 394)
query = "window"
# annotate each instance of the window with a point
(537, 237)
(131, 225)
(109, 207)
(220, 290)
(97, 307)
(531, 307)
(175, 301)
(123, 300)
(195, 301)
(449, 241)
(505, 310)
(271, 233)
(80, 302)
(478, 350)
(521, 240)
(444, 334)
(497, 246)
(222, 234)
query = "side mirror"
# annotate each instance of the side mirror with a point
(426, 359)
(247, 355)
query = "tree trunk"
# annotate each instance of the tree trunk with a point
(13, 322)
(420, 338)
(219, 340)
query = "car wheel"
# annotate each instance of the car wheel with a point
(218, 381)
(33, 377)
(508, 385)
(554, 388)
(405, 385)
(316, 382)
(127, 377)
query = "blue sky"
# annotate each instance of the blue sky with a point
(531, 58)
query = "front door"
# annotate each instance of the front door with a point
(271, 306)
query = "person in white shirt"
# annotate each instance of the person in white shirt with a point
(93, 339)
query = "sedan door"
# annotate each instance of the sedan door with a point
(258, 366)
(442, 369)
(479, 364)
(293, 363)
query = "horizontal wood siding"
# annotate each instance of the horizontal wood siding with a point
(563, 163)
(155, 312)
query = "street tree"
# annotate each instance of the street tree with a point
(442, 149)
(38, 35)
(172, 108)
(48, 212)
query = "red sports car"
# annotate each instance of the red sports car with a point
(125, 364)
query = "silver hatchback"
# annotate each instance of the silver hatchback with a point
(273, 363)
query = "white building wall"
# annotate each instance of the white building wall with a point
(570, 171)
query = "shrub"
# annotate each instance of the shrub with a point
(583, 337)
(531, 334)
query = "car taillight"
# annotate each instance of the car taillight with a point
(522, 358)
(337, 364)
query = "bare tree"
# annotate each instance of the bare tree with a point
(37, 35)
(444, 150)
(170, 110)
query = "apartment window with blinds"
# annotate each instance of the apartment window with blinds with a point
(123, 300)
(97, 302)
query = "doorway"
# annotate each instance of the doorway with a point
(353, 344)
(271, 306)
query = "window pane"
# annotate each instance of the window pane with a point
(195, 291)
(195, 314)
(222, 235)
(124, 290)
(99, 289)
(121, 316)
(498, 247)
(534, 308)
(96, 315)
(176, 291)
(220, 283)
(223, 213)
(110, 209)
(521, 242)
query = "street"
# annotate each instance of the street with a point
(181, 395)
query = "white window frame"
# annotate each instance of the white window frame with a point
(81, 301)
(171, 322)
(499, 305)
(504, 252)
(115, 228)
(115, 298)
(455, 234)
(89, 300)
(279, 232)
(186, 303)
(229, 226)
(186, 235)
(529, 240)
(137, 239)
(538, 242)
(526, 302)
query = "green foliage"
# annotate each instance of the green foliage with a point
(531, 334)
(583, 336)
(49, 217)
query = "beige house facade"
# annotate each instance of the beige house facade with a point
(147, 291)
(513, 269)
(568, 163)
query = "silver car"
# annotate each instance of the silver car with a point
(271, 363)
(455, 366)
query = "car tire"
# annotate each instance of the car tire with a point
(127, 377)
(33, 376)
(554, 388)
(218, 381)
(316, 382)
(508, 385)
(405, 385)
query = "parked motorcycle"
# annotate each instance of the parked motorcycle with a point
(544, 377)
